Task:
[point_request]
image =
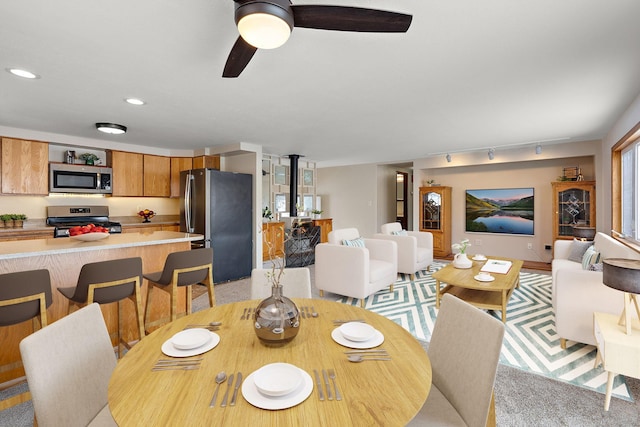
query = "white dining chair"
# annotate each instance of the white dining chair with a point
(296, 282)
(464, 351)
(68, 366)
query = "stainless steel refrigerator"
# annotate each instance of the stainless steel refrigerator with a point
(218, 205)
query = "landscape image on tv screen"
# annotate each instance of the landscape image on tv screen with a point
(504, 210)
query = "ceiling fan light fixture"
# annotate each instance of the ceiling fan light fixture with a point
(264, 25)
(111, 128)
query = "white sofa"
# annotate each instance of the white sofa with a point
(415, 249)
(355, 272)
(578, 293)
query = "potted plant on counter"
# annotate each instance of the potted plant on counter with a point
(18, 220)
(6, 221)
(89, 158)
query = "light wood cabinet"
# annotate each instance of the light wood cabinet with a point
(128, 171)
(157, 176)
(435, 217)
(211, 162)
(326, 226)
(272, 240)
(574, 204)
(178, 164)
(25, 167)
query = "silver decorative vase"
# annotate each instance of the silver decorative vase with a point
(277, 319)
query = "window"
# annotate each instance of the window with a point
(625, 159)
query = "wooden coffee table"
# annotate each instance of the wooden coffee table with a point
(486, 295)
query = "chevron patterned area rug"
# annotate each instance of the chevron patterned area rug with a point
(530, 341)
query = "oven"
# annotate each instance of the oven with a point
(62, 218)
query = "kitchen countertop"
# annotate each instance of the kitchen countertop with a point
(39, 224)
(35, 247)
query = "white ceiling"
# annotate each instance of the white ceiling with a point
(468, 74)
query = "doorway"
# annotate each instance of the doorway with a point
(402, 207)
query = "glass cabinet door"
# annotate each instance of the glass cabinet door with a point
(432, 210)
(574, 209)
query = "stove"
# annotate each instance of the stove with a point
(65, 217)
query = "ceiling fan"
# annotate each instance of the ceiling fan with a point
(267, 24)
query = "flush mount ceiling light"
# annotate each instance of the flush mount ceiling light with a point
(538, 149)
(491, 153)
(134, 101)
(265, 25)
(111, 128)
(22, 73)
(448, 157)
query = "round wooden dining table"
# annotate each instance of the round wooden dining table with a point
(383, 393)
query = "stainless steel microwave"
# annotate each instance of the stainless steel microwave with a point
(64, 178)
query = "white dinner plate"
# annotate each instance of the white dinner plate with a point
(253, 396)
(357, 331)
(479, 258)
(190, 338)
(169, 349)
(90, 237)
(277, 379)
(377, 339)
(483, 278)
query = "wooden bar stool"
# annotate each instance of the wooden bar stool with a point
(183, 268)
(24, 295)
(106, 282)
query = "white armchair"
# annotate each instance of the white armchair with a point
(355, 272)
(415, 249)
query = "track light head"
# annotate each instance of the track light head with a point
(448, 157)
(538, 149)
(491, 153)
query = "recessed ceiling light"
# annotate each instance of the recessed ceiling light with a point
(135, 101)
(23, 73)
(111, 128)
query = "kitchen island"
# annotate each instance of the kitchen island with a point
(64, 258)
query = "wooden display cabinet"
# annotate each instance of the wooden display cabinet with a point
(435, 217)
(272, 237)
(574, 204)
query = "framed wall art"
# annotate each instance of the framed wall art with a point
(502, 211)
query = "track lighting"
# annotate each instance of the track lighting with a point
(538, 149)
(491, 153)
(448, 157)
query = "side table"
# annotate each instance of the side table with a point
(618, 352)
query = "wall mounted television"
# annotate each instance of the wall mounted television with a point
(501, 210)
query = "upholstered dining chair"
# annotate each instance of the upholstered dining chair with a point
(415, 248)
(184, 268)
(109, 281)
(68, 366)
(464, 352)
(353, 266)
(24, 295)
(296, 282)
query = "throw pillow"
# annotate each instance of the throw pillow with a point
(358, 243)
(591, 256)
(596, 267)
(577, 250)
(400, 233)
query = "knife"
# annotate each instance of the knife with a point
(235, 390)
(326, 381)
(319, 383)
(226, 393)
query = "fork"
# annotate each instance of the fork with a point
(332, 375)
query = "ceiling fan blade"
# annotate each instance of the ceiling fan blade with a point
(240, 55)
(346, 18)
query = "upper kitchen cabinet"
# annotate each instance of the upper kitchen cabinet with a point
(178, 164)
(25, 167)
(157, 176)
(128, 169)
(209, 162)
